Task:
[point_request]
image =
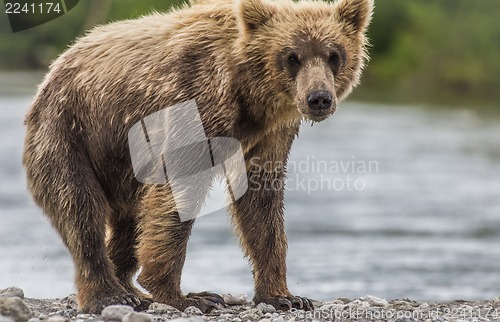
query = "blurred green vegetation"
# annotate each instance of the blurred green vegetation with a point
(444, 51)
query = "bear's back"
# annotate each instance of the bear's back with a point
(120, 72)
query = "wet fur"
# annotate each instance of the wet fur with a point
(226, 56)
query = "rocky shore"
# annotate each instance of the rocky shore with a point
(14, 307)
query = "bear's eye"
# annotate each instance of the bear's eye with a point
(334, 58)
(293, 60)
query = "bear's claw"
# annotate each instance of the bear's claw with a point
(301, 303)
(208, 300)
(287, 303)
(213, 297)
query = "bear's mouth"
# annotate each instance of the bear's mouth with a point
(317, 115)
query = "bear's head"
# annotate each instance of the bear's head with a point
(308, 54)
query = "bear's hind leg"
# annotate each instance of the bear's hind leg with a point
(121, 244)
(63, 183)
(162, 252)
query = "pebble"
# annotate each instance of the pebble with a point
(239, 299)
(64, 313)
(160, 308)
(279, 319)
(265, 308)
(15, 308)
(189, 319)
(404, 320)
(344, 300)
(251, 314)
(12, 292)
(56, 318)
(116, 312)
(402, 306)
(5, 319)
(359, 304)
(83, 316)
(332, 307)
(193, 310)
(375, 301)
(136, 317)
(70, 300)
(34, 320)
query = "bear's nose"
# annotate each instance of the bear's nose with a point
(319, 100)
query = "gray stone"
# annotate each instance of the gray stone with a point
(70, 301)
(12, 292)
(375, 301)
(359, 304)
(68, 313)
(404, 320)
(193, 310)
(57, 318)
(6, 319)
(402, 305)
(332, 307)
(265, 308)
(34, 320)
(160, 308)
(230, 299)
(84, 316)
(136, 317)
(15, 308)
(116, 312)
(189, 319)
(251, 314)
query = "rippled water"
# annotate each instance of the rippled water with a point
(422, 222)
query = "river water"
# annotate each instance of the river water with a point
(393, 201)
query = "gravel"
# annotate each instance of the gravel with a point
(367, 308)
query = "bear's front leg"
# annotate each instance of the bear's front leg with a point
(259, 217)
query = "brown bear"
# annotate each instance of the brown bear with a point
(256, 69)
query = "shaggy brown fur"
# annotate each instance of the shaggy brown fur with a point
(252, 67)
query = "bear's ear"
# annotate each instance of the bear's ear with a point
(354, 13)
(255, 13)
